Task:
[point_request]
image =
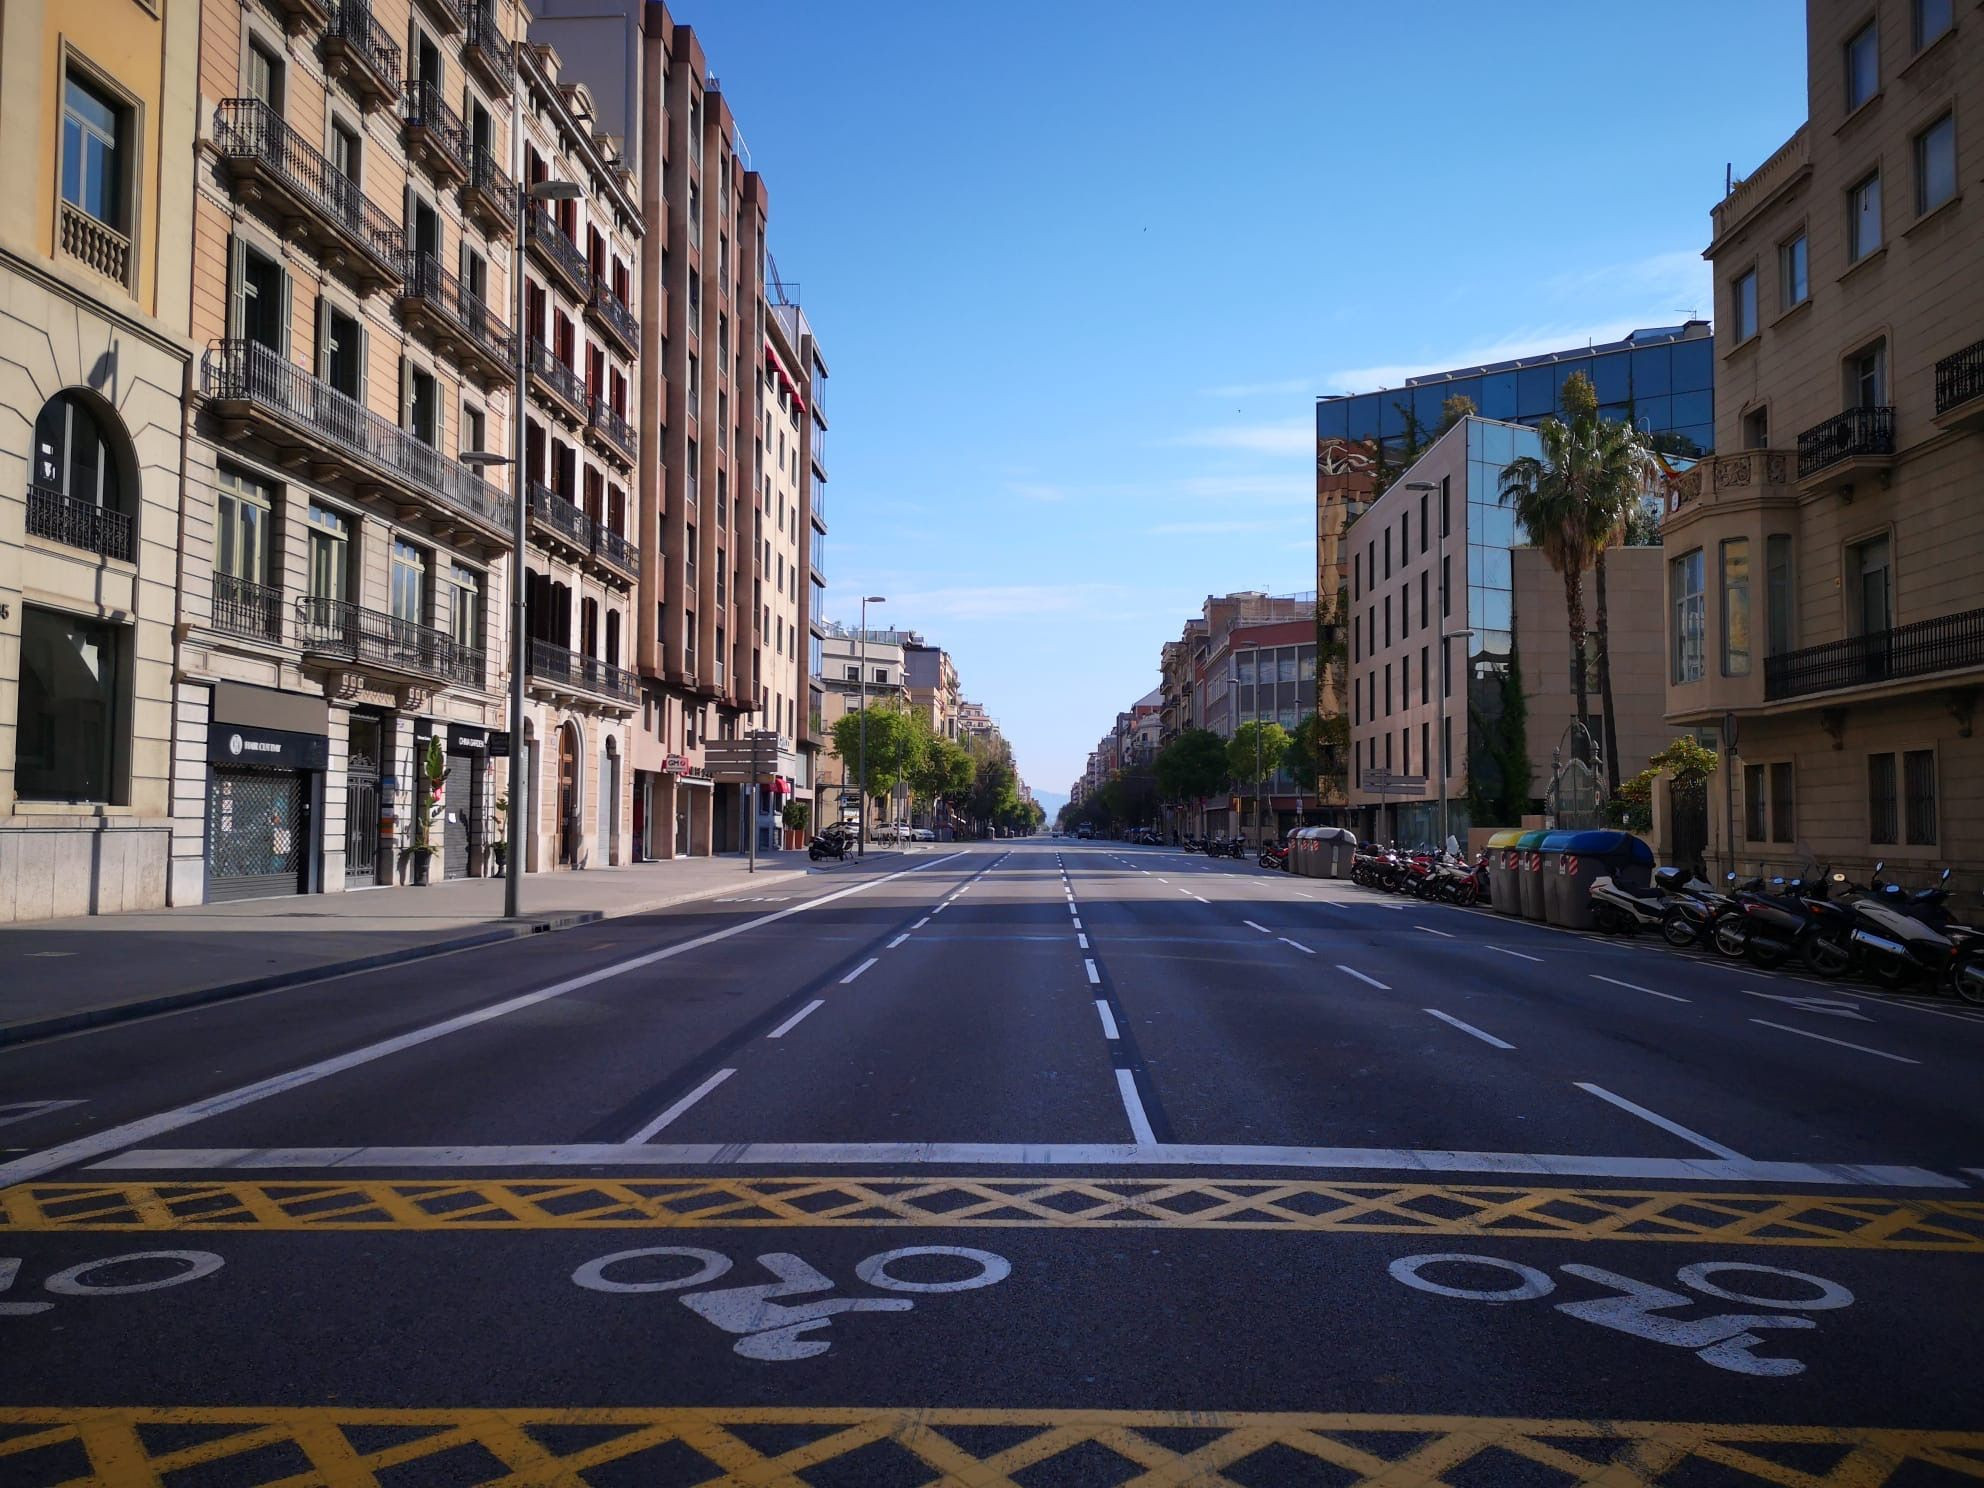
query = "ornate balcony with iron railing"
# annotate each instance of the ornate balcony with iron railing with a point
(552, 376)
(245, 608)
(1960, 389)
(1948, 643)
(558, 252)
(560, 519)
(614, 317)
(372, 641)
(435, 135)
(357, 49)
(489, 194)
(1845, 446)
(95, 244)
(257, 391)
(263, 155)
(487, 49)
(613, 430)
(568, 673)
(302, 15)
(76, 523)
(450, 15)
(433, 298)
(615, 551)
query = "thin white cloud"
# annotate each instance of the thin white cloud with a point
(1676, 282)
(1297, 484)
(1036, 491)
(1295, 436)
(1531, 342)
(1281, 388)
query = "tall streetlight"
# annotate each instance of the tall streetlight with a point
(861, 811)
(542, 191)
(1440, 692)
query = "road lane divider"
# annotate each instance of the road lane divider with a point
(1252, 926)
(793, 1022)
(1296, 943)
(1081, 941)
(898, 940)
(680, 1106)
(1636, 987)
(1728, 1154)
(1133, 1107)
(1094, 976)
(1367, 980)
(1485, 1037)
(1842, 1043)
(1504, 950)
(1443, 934)
(1108, 1020)
(857, 971)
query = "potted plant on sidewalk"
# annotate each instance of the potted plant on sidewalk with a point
(795, 816)
(500, 848)
(426, 808)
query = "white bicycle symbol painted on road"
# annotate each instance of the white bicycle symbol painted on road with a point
(772, 1330)
(1725, 1340)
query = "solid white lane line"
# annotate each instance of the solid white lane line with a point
(1296, 943)
(1133, 1107)
(1507, 952)
(1164, 880)
(680, 1106)
(899, 940)
(793, 1022)
(1252, 926)
(1822, 1038)
(1108, 1019)
(1443, 934)
(921, 923)
(857, 971)
(1486, 1038)
(1728, 1153)
(1094, 976)
(1636, 987)
(1083, 940)
(131, 1133)
(1353, 971)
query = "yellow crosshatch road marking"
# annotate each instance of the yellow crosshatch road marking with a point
(980, 1448)
(991, 1203)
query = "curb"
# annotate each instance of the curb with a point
(30, 1030)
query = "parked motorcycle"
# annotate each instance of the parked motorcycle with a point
(1672, 904)
(831, 842)
(1274, 855)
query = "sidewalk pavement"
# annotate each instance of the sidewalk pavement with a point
(58, 975)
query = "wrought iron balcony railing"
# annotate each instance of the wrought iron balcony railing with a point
(254, 382)
(560, 379)
(247, 608)
(461, 315)
(1850, 435)
(620, 552)
(370, 638)
(491, 194)
(487, 46)
(559, 251)
(1946, 643)
(561, 516)
(556, 665)
(353, 38)
(435, 129)
(76, 523)
(1960, 378)
(614, 428)
(452, 14)
(617, 320)
(253, 139)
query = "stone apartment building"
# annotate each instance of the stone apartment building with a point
(98, 106)
(1822, 589)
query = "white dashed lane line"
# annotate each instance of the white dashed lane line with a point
(1296, 943)
(1842, 1043)
(1369, 981)
(1525, 955)
(1636, 987)
(1252, 926)
(1486, 1038)
(857, 971)
(1108, 1020)
(793, 1022)
(1094, 976)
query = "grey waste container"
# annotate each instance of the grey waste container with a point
(1338, 846)
(1552, 849)
(1504, 864)
(1583, 857)
(1302, 851)
(1530, 874)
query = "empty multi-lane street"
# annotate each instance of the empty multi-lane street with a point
(1030, 1162)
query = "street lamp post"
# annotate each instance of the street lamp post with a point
(861, 809)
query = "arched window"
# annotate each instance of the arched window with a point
(76, 488)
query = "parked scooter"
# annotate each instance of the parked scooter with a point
(1673, 899)
(1770, 926)
(1879, 935)
(1274, 855)
(831, 842)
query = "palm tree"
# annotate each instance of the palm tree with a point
(1620, 463)
(1551, 499)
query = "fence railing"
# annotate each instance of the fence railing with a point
(486, 44)
(1943, 644)
(249, 373)
(462, 308)
(1844, 436)
(561, 516)
(489, 178)
(352, 24)
(425, 108)
(331, 627)
(246, 607)
(617, 318)
(248, 129)
(560, 378)
(564, 254)
(555, 664)
(1960, 377)
(618, 432)
(77, 523)
(616, 550)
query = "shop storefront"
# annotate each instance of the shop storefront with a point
(267, 751)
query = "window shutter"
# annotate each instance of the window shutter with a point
(363, 350)
(406, 395)
(284, 287)
(321, 365)
(237, 291)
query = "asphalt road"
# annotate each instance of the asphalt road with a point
(1035, 1163)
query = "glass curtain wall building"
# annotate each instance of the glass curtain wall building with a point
(1661, 380)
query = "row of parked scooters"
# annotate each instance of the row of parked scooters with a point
(1446, 877)
(1831, 925)
(1220, 847)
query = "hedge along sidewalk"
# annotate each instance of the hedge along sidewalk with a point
(60, 975)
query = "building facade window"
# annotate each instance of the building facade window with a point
(1769, 811)
(98, 152)
(1736, 607)
(1756, 429)
(1935, 165)
(1867, 377)
(1780, 596)
(1863, 66)
(408, 583)
(1743, 304)
(1931, 18)
(73, 455)
(1690, 616)
(330, 554)
(1863, 217)
(241, 526)
(70, 724)
(1881, 817)
(1918, 784)
(1794, 272)
(463, 601)
(1869, 568)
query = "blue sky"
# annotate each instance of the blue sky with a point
(1080, 269)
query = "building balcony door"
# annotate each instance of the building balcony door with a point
(569, 826)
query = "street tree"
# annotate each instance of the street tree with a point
(1192, 766)
(1256, 750)
(943, 771)
(894, 746)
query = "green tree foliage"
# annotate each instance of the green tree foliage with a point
(1192, 766)
(796, 815)
(994, 785)
(894, 746)
(1687, 759)
(943, 771)
(1255, 751)
(1456, 408)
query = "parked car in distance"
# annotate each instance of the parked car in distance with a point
(1085, 830)
(922, 834)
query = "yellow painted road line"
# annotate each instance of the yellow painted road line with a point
(731, 1202)
(982, 1448)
